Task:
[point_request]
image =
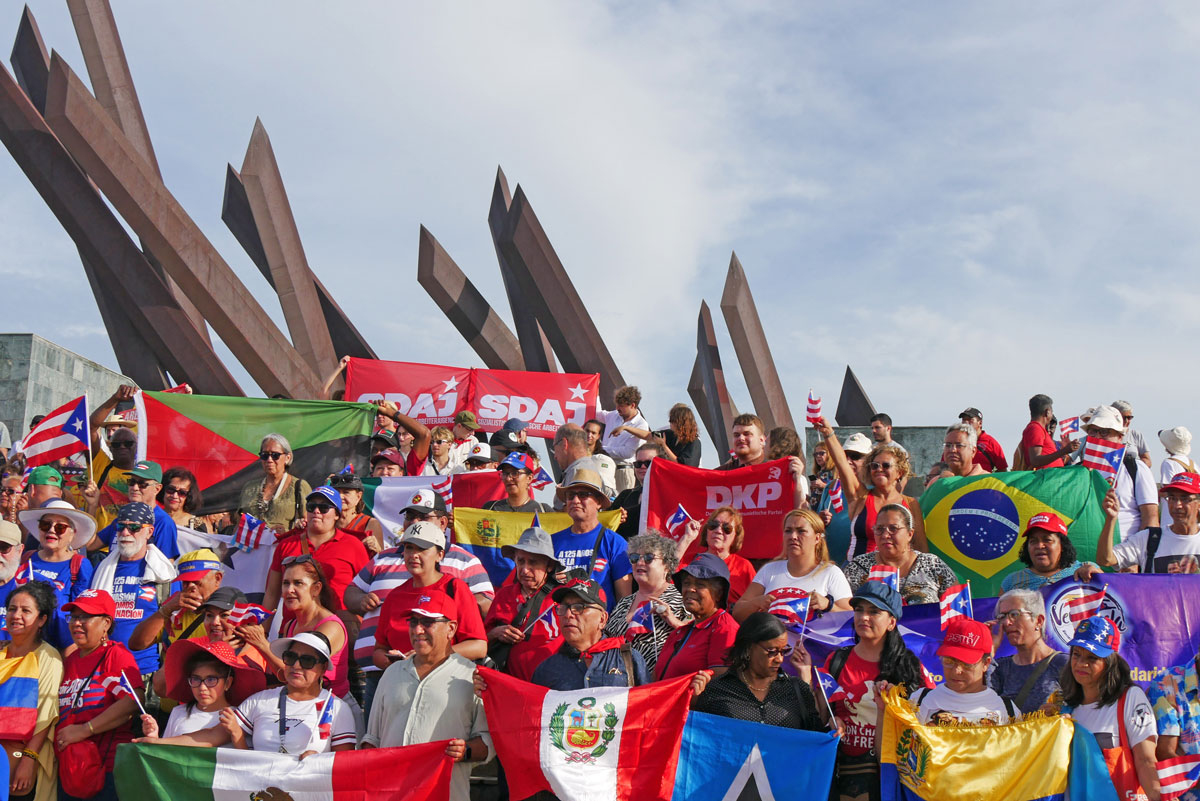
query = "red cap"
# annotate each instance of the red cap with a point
(1046, 521)
(966, 640)
(1184, 482)
(92, 602)
(434, 605)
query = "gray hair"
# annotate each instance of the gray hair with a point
(902, 509)
(1028, 600)
(965, 428)
(1124, 407)
(278, 439)
(654, 541)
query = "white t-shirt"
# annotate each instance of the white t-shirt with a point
(1172, 466)
(259, 716)
(1131, 495)
(825, 579)
(181, 722)
(941, 704)
(1171, 556)
(1102, 721)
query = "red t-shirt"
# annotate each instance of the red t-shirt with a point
(84, 695)
(525, 656)
(857, 711)
(741, 573)
(340, 558)
(392, 631)
(697, 646)
(1035, 435)
(989, 455)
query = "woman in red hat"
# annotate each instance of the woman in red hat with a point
(204, 677)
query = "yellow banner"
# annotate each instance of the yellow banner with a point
(483, 529)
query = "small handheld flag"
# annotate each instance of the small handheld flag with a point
(677, 521)
(348, 470)
(63, 432)
(325, 722)
(247, 613)
(120, 685)
(1068, 426)
(249, 533)
(642, 622)
(1083, 607)
(829, 686)
(888, 574)
(956, 601)
(546, 623)
(1103, 455)
(790, 605)
(541, 479)
(1178, 774)
(25, 574)
(836, 503)
(813, 413)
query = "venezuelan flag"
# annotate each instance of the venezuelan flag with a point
(975, 523)
(18, 697)
(1046, 758)
(484, 533)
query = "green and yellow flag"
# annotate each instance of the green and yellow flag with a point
(975, 523)
(484, 533)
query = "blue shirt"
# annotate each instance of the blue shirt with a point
(566, 670)
(837, 533)
(165, 534)
(135, 603)
(5, 589)
(612, 556)
(58, 576)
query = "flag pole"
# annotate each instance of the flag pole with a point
(87, 428)
(970, 600)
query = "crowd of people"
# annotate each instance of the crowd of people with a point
(373, 642)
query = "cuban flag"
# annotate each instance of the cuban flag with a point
(642, 622)
(829, 686)
(247, 613)
(1178, 774)
(888, 574)
(1083, 607)
(541, 479)
(249, 533)
(956, 601)
(813, 413)
(325, 722)
(677, 522)
(790, 604)
(1103, 455)
(63, 432)
(547, 624)
(836, 502)
(1068, 426)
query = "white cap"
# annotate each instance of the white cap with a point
(859, 443)
(1104, 417)
(424, 534)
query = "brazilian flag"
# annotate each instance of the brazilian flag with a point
(975, 523)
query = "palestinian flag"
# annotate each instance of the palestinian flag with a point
(218, 438)
(183, 773)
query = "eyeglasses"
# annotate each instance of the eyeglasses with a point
(855, 457)
(274, 456)
(441, 442)
(319, 508)
(11, 491)
(417, 516)
(132, 528)
(122, 443)
(80, 617)
(774, 652)
(583, 494)
(713, 525)
(208, 681)
(137, 483)
(1127, 417)
(422, 622)
(892, 529)
(176, 490)
(956, 446)
(634, 558)
(58, 528)
(1014, 615)
(298, 560)
(642, 464)
(881, 465)
(307, 661)
(575, 609)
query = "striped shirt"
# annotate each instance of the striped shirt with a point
(386, 571)
(649, 644)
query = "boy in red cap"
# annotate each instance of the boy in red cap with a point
(964, 696)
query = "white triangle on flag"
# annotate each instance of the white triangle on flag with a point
(753, 766)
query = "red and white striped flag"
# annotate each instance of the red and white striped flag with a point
(249, 533)
(1178, 774)
(1083, 607)
(888, 574)
(813, 414)
(1103, 455)
(63, 432)
(445, 488)
(247, 613)
(836, 502)
(1068, 426)
(955, 602)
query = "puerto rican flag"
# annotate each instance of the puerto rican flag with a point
(147, 593)
(249, 534)
(1178, 774)
(1068, 426)
(598, 567)
(833, 691)
(955, 601)
(445, 488)
(888, 574)
(813, 413)
(25, 574)
(547, 624)
(247, 613)
(1083, 607)
(541, 479)
(790, 604)
(642, 622)
(64, 432)
(325, 722)
(677, 522)
(1103, 455)
(836, 502)
(600, 744)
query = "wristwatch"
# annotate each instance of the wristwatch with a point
(467, 754)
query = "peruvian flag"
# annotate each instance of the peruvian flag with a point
(598, 744)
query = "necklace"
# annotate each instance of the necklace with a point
(746, 680)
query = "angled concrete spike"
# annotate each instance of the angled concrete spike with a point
(236, 213)
(699, 397)
(280, 239)
(134, 300)
(467, 309)
(535, 348)
(719, 408)
(31, 61)
(854, 407)
(154, 214)
(753, 352)
(104, 56)
(547, 290)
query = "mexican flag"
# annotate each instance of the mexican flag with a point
(597, 744)
(385, 499)
(182, 773)
(218, 438)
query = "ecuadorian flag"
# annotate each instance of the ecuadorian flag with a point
(18, 697)
(484, 533)
(1045, 758)
(975, 523)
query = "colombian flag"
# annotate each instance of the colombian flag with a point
(18, 697)
(484, 533)
(975, 523)
(1045, 758)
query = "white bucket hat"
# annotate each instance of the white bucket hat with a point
(85, 524)
(1177, 440)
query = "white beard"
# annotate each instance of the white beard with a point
(128, 550)
(10, 564)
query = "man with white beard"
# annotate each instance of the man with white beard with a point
(138, 576)
(10, 560)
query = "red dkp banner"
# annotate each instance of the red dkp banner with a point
(762, 493)
(434, 393)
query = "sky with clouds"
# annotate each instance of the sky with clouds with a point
(968, 203)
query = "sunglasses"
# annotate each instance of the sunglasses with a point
(274, 456)
(298, 560)
(132, 528)
(175, 490)
(881, 465)
(11, 491)
(642, 464)
(634, 558)
(307, 661)
(122, 443)
(713, 525)
(319, 508)
(893, 529)
(58, 528)
(137, 483)
(572, 494)
(210, 682)
(416, 516)
(5, 547)
(774, 652)
(441, 442)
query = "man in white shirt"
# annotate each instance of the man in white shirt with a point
(618, 442)
(881, 430)
(1155, 550)
(1136, 491)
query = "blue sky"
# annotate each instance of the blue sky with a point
(968, 203)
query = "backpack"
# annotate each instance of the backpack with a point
(76, 563)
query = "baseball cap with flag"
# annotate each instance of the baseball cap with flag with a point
(1184, 482)
(425, 501)
(195, 565)
(1046, 521)
(328, 493)
(1097, 635)
(521, 461)
(434, 606)
(480, 452)
(92, 602)
(588, 591)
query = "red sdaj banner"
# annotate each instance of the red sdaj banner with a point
(434, 393)
(762, 493)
